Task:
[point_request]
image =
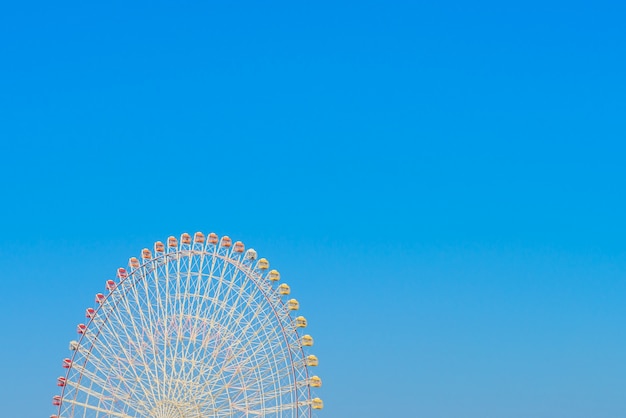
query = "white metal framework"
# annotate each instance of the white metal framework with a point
(194, 329)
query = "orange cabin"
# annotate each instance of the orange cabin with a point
(198, 238)
(146, 254)
(133, 262)
(239, 247)
(213, 238)
(226, 241)
(159, 247)
(185, 239)
(172, 242)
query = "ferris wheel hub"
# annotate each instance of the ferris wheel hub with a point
(174, 409)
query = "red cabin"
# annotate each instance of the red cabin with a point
(56, 400)
(81, 328)
(159, 247)
(90, 313)
(185, 239)
(172, 242)
(67, 363)
(61, 381)
(239, 247)
(213, 238)
(110, 285)
(54, 416)
(100, 298)
(198, 238)
(122, 273)
(226, 241)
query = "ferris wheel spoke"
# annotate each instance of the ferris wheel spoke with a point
(221, 279)
(226, 342)
(161, 317)
(227, 316)
(271, 375)
(90, 360)
(171, 279)
(218, 311)
(111, 336)
(194, 318)
(150, 321)
(241, 376)
(163, 347)
(130, 383)
(217, 377)
(182, 282)
(260, 347)
(95, 379)
(243, 348)
(264, 346)
(106, 396)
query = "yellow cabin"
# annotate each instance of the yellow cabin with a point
(315, 382)
(274, 275)
(146, 254)
(133, 262)
(307, 341)
(159, 247)
(293, 305)
(317, 403)
(185, 239)
(312, 361)
(284, 289)
(300, 322)
(239, 247)
(263, 264)
(172, 242)
(198, 238)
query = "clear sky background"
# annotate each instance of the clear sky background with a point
(441, 184)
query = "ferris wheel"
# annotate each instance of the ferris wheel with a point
(194, 329)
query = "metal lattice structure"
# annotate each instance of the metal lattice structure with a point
(195, 329)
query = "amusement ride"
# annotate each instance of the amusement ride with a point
(197, 327)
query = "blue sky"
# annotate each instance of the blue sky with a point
(442, 185)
